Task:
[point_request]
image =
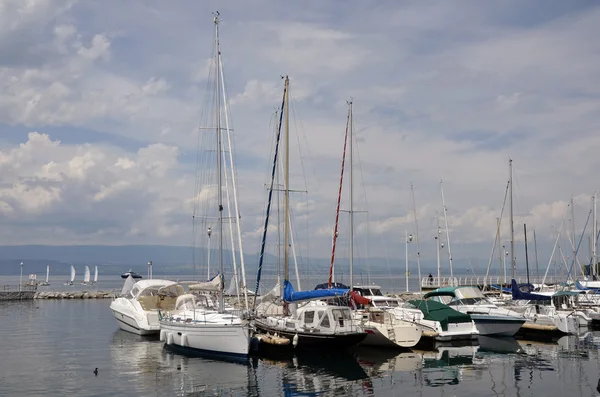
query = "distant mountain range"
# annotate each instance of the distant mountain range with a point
(171, 260)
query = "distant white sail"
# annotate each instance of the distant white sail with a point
(72, 273)
(86, 275)
(47, 273)
(95, 274)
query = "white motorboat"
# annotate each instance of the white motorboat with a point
(489, 319)
(137, 309)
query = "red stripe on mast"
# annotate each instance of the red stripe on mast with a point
(337, 211)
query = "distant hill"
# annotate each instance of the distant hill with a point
(174, 260)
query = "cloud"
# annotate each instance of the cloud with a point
(439, 92)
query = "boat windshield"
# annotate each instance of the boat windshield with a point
(376, 292)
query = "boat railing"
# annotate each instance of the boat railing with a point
(482, 281)
(16, 288)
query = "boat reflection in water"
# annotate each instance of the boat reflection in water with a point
(337, 373)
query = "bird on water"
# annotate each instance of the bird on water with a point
(96, 372)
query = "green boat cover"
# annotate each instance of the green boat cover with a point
(436, 311)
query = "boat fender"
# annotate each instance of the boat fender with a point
(184, 340)
(295, 340)
(169, 338)
(163, 335)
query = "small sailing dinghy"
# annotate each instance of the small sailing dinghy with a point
(86, 276)
(47, 276)
(70, 282)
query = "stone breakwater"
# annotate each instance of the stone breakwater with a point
(75, 295)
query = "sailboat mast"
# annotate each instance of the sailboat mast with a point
(526, 253)
(337, 209)
(447, 234)
(437, 240)
(351, 197)
(412, 190)
(512, 228)
(286, 199)
(595, 241)
(219, 163)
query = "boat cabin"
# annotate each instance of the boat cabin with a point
(467, 295)
(156, 294)
(378, 300)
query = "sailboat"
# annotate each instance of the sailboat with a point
(95, 274)
(70, 282)
(47, 276)
(382, 327)
(195, 324)
(315, 324)
(86, 276)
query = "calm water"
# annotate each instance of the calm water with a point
(51, 347)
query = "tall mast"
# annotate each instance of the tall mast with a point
(219, 163)
(447, 234)
(595, 241)
(513, 266)
(412, 190)
(437, 240)
(286, 200)
(351, 196)
(526, 253)
(337, 210)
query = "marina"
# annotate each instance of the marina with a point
(299, 200)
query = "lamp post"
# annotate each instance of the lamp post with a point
(21, 278)
(209, 232)
(408, 239)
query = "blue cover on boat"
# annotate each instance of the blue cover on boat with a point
(579, 286)
(517, 294)
(289, 295)
(333, 285)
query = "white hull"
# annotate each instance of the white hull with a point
(129, 324)
(218, 339)
(497, 326)
(383, 335)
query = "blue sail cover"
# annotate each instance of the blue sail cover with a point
(289, 295)
(517, 294)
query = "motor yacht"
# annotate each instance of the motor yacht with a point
(137, 309)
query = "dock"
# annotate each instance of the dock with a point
(16, 293)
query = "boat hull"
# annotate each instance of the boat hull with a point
(207, 339)
(383, 335)
(130, 324)
(313, 340)
(497, 325)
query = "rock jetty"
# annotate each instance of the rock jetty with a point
(75, 295)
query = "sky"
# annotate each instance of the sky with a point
(101, 104)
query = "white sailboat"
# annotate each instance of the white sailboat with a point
(86, 276)
(70, 282)
(47, 276)
(195, 324)
(95, 274)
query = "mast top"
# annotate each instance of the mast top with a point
(216, 19)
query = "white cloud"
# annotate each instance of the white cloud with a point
(440, 92)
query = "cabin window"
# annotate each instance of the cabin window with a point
(309, 317)
(376, 292)
(325, 321)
